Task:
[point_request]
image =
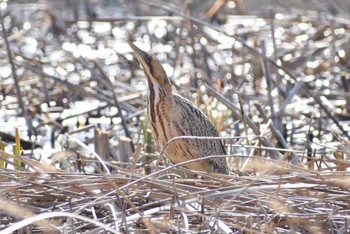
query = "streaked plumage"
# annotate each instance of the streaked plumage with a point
(171, 115)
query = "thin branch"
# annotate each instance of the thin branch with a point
(15, 77)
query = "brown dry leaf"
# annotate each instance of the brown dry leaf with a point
(40, 166)
(344, 145)
(56, 157)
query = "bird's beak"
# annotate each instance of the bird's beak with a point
(143, 57)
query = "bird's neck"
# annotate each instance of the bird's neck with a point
(160, 93)
(160, 109)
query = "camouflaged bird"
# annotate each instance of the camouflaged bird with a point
(170, 115)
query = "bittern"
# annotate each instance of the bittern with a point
(171, 115)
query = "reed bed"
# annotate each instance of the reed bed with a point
(282, 200)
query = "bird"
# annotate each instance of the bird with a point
(171, 115)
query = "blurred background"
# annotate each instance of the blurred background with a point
(66, 66)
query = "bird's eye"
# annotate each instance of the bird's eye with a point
(151, 59)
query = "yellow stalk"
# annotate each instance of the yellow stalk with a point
(17, 149)
(2, 162)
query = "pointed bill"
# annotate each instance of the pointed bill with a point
(143, 57)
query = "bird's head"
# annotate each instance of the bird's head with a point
(152, 67)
